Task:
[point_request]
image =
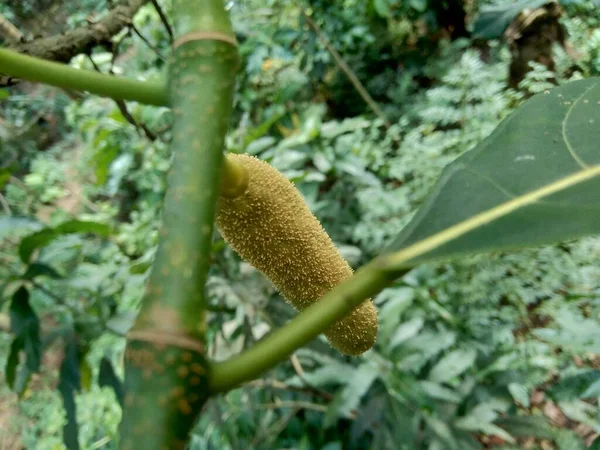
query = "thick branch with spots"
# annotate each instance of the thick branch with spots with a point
(166, 368)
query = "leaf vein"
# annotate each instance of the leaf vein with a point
(570, 148)
(493, 182)
(401, 258)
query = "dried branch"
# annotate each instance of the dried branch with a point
(147, 42)
(125, 112)
(163, 19)
(362, 91)
(63, 47)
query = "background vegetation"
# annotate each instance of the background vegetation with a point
(496, 351)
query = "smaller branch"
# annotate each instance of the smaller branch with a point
(116, 49)
(138, 125)
(292, 404)
(125, 112)
(66, 77)
(147, 42)
(297, 366)
(163, 19)
(271, 433)
(362, 91)
(8, 30)
(276, 384)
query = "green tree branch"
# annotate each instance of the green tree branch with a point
(166, 368)
(66, 77)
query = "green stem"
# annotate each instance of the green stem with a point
(63, 76)
(365, 283)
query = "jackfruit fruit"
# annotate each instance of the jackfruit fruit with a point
(271, 227)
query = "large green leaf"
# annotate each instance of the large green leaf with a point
(535, 180)
(43, 237)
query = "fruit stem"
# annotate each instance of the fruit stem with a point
(234, 178)
(276, 347)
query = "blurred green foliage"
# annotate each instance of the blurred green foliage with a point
(469, 353)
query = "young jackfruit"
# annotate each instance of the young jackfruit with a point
(271, 226)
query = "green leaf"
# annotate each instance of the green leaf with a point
(43, 237)
(12, 362)
(452, 365)
(533, 181)
(39, 270)
(10, 224)
(439, 392)
(574, 387)
(121, 323)
(382, 8)
(102, 161)
(81, 226)
(22, 380)
(26, 326)
(406, 331)
(264, 127)
(69, 384)
(108, 377)
(481, 418)
(493, 20)
(34, 241)
(4, 94)
(525, 426)
(85, 374)
(519, 394)
(349, 398)
(568, 440)
(442, 431)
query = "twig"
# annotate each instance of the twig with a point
(123, 108)
(274, 431)
(125, 112)
(346, 69)
(116, 48)
(297, 366)
(275, 384)
(163, 19)
(8, 30)
(147, 42)
(292, 404)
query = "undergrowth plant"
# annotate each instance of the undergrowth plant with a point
(531, 181)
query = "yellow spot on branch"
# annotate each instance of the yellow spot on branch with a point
(185, 407)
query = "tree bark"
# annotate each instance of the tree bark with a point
(63, 47)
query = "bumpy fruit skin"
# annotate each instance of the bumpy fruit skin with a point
(271, 227)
